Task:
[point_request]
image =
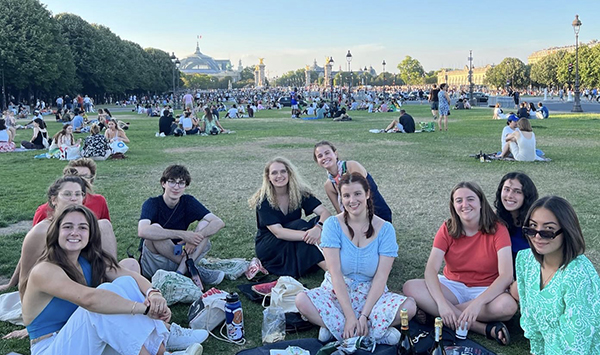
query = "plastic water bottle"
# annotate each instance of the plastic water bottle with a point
(234, 317)
(481, 157)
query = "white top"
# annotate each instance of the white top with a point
(4, 135)
(505, 132)
(526, 147)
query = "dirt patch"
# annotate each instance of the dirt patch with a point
(19, 227)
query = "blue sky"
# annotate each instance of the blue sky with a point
(291, 34)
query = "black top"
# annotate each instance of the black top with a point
(164, 124)
(408, 123)
(268, 216)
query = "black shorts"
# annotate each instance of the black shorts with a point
(435, 105)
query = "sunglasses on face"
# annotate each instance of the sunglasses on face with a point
(544, 234)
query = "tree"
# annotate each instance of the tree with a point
(411, 71)
(511, 71)
(545, 72)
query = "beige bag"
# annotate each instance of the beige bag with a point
(284, 293)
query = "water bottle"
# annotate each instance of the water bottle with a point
(234, 317)
(481, 157)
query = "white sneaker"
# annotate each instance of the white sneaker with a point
(390, 337)
(182, 338)
(194, 349)
(157, 134)
(162, 134)
(325, 335)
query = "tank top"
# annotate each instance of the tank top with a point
(526, 147)
(58, 311)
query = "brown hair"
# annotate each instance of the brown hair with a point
(348, 179)
(320, 144)
(487, 221)
(524, 125)
(84, 163)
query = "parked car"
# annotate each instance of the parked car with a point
(286, 101)
(480, 97)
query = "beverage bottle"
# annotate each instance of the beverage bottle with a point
(405, 346)
(234, 317)
(481, 157)
(438, 346)
(194, 273)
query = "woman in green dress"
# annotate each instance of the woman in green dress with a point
(559, 289)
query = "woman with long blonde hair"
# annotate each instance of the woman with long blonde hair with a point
(285, 243)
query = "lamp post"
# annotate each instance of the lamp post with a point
(576, 26)
(349, 59)
(331, 65)
(383, 65)
(176, 64)
(471, 77)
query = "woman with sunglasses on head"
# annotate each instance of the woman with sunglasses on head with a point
(326, 156)
(559, 288)
(475, 246)
(359, 249)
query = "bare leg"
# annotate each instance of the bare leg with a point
(109, 241)
(505, 150)
(14, 280)
(392, 125)
(411, 307)
(131, 264)
(164, 248)
(323, 265)
(445, 123)
(308, 309)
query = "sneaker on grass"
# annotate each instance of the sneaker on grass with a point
(211, 277)
(182, 338)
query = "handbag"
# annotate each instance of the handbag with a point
(208, 311)
(118, 147)
(70, 152)
(284, 293)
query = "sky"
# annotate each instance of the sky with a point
(291, 34)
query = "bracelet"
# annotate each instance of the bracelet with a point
(147, 310)
(320, 225)
(362, 314)
(150, 290)
(133, 308)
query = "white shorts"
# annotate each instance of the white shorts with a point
(295, 107)
(462, 292)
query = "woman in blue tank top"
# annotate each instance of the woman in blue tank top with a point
(60, 302)
(326, 156)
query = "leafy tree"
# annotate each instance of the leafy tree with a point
(411, 71)
(247, 73)
(545, 72)
(511, 70)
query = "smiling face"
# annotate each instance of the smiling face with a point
(111, 125)
(278, 175)
(354, 198)
(69, 129)
(70, 193)
(326, 157)
(512, 195)
(74, 232)
(467, 205)
(544, 219)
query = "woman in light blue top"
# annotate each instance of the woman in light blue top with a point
(359, 249)
(559, 289)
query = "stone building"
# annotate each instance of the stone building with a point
(200, 63)
(458, 77)
(538, 55)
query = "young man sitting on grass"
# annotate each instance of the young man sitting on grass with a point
(163, 226)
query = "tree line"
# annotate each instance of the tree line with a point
(43, 56)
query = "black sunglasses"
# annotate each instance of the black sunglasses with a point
(545, 234)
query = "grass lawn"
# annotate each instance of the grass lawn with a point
(415, 173)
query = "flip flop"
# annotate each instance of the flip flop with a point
(499, 326)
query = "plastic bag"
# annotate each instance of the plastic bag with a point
(273, 327)
(176, 287)
(208, 311)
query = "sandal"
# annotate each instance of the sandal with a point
(498, 326)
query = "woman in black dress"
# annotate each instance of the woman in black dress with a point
(285, 243)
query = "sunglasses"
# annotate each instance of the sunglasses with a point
(544, 234)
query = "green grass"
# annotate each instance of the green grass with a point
(415, 174)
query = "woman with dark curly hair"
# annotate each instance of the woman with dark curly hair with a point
(515, 194)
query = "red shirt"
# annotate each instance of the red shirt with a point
(96, 203)
(472, 260)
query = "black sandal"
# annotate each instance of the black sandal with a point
(499, 326)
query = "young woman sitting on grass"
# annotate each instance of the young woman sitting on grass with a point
(39, 133)
(559, 287)
(210, 124)
(64, 138)
(96, 145)
(6, 138)
(61, 302)
(359, 249)
(475, 246)
(326, 156)
(285, 243)
(114, 132)
(521, 143)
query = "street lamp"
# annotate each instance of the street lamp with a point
(349, 59)
(470, 77)
(331, 73)
(176, 63)
(383, 64)
(576, 26)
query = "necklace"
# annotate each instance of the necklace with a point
(547, 279)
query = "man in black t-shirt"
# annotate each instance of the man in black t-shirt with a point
(404, 124)
(163, 226)
(435, 101)
(166, 123)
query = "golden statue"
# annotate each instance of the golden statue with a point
(261, 60)
(307, 68)
(326, 60)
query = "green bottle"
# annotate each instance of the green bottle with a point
(405, 346)
(438, 346)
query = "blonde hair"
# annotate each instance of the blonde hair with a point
(95, 129)
(297, 188)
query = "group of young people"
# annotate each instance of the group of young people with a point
(189, 124)
(527, 255)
